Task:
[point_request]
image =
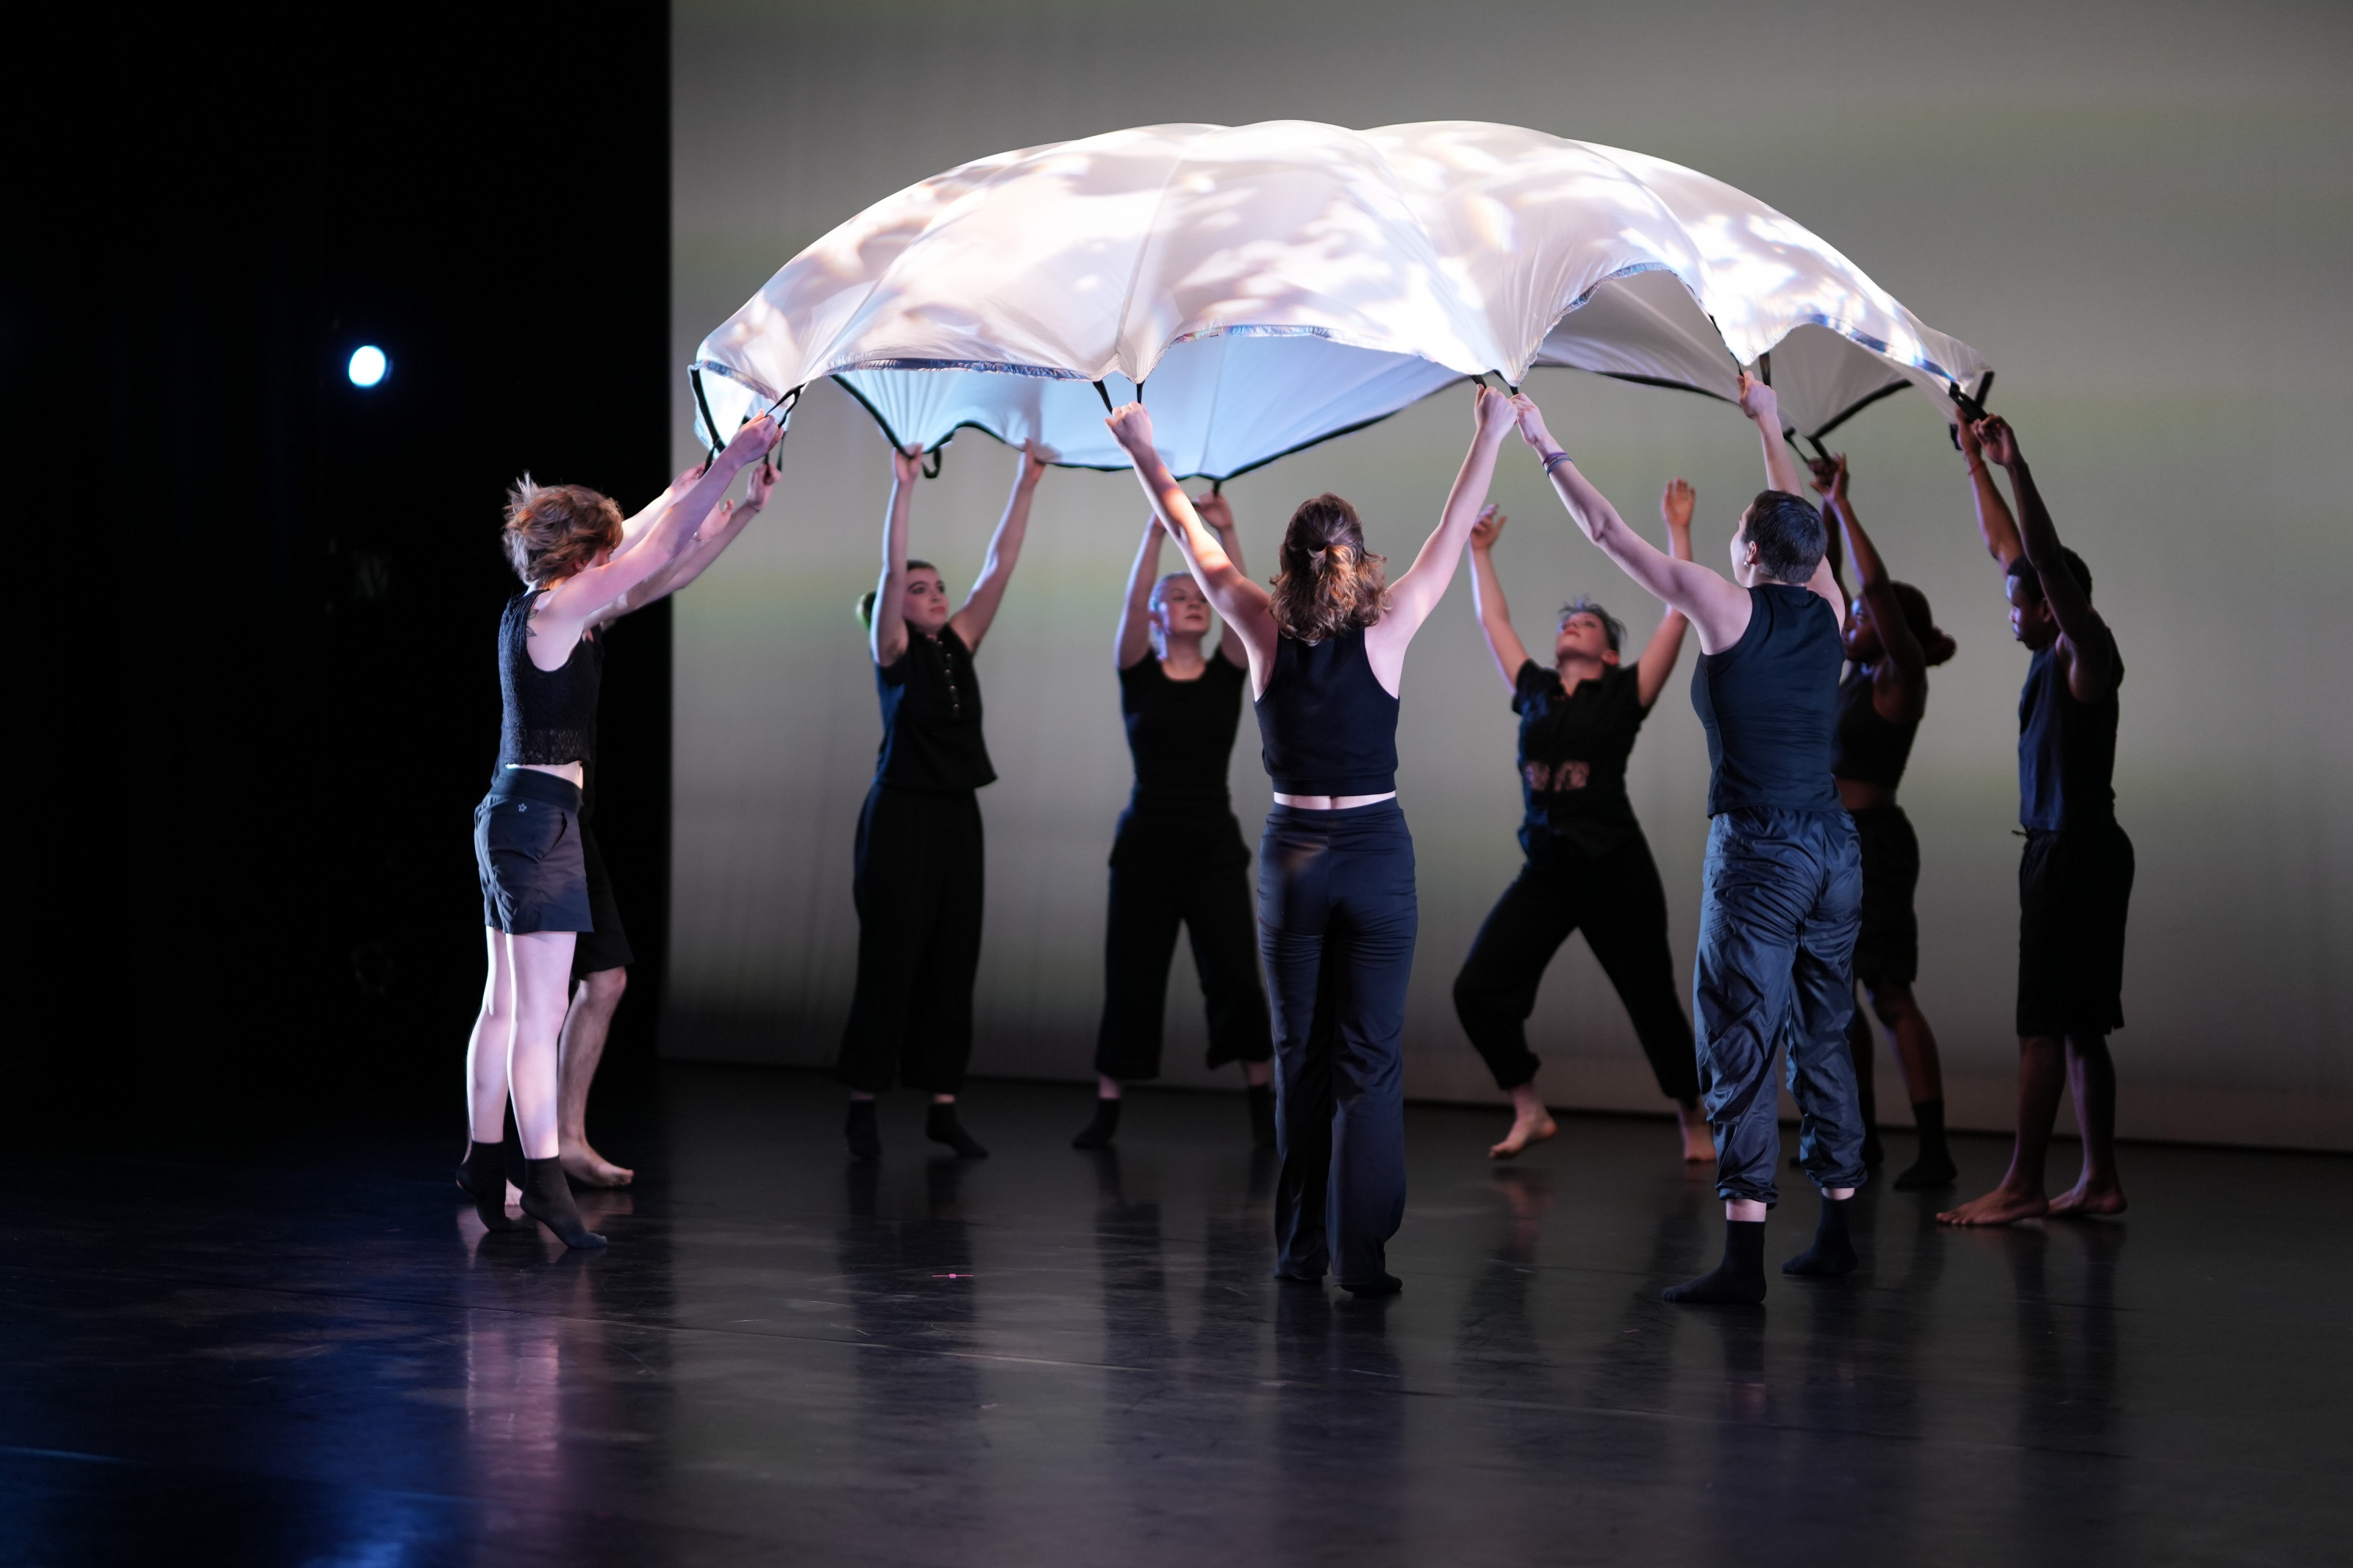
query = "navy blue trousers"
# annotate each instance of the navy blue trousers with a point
(1337, 918)
(1781, 899)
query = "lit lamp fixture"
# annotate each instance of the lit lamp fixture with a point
(369, 366)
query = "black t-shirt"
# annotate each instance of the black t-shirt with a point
(1181, 734)
(931, 717)
(1573, 750)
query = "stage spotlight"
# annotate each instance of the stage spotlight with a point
(368, 366)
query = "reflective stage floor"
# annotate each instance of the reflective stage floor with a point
(1055, 1358)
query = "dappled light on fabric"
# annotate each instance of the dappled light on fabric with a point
(1275, 285)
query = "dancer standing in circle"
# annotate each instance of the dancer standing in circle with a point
(1179, 855)
(2075, 877)
(1783, 886)
(1588, 866)
(1891, 639)
(562, 540)
(1337, 911)
(920, 854)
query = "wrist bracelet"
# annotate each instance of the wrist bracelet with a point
(1555, 461)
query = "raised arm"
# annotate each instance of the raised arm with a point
(2091, 652)
(634, 527)
(1244, 605)
(1996, 526)
(1907, 662)
(584, 598)
(1487, 599)
(1135, 615)
(972, 622)
(718, 531)
(1414, 595)
(1213, 510)
(1666, 644)
(887, 635)
(1718, 609)
(1763, 406)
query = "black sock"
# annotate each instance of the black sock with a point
(1097, 1134)
(1833, 1253)
(547, 1198)
(1935, 1167)
(941, 1126)
(1261, 1115)
(865, 1141)
(1740, 1279)
(483, 1178)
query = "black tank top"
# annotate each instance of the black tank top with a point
(2066, 751)
(548, 716)
(1326, 726)
(931, 717)
(1769, 704)
(1872, 747)
(1181, 734)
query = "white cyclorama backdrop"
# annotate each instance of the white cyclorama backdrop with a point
(2139, 219)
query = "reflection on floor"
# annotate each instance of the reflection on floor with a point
(1057, 1358)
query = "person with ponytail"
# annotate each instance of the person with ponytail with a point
(919, 850)
(1178, 857)
(1891, 641)
(1337, 911)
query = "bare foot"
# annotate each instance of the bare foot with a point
(584, 1167)
(2084, 1199)
(1699, 1138)
(1525, 1130)
(2003, 1205)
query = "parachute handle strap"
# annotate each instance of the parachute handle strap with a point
(938, 456)
(710, 425)
(1972, 408)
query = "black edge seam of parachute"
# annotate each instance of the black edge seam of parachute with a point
(1857, 406)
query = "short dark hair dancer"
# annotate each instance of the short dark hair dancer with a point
(1179, 855)
(1337, 911)
(2075, 876)
(1783, 884)
(564, 542)
(601, 957)
(1587, 866)
(920, 853)
(1891, 639)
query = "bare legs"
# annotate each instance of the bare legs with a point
(1914, 1042)
(2046, 1064)
(1699, 1138)
(514, 1049)
(581, 1047)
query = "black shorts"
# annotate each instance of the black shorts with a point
(607, 946)
(527, 848)
(1888, 948)
(2073, 889)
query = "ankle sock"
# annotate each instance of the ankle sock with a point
(483, 1178)
(865, 1140)
(1833, 1253)
(1740, 1279)
(1261, 1115)
(1097, 1134)
(941, 1126)
(1935, 1167)
(547, 1198)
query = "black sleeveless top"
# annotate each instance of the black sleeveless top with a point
(931, 717)
(548, 716)
(1872, 747)
(1181, 734)
(1573, 751)
(1769, 704)
(1326, 726)
(2066, 751)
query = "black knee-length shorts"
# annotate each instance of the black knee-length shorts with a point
(2074, 887)
(1887, 944)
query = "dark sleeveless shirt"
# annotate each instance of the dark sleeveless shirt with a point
(1872, 747)
(1326, 726)
(931, 717)
(548, 716)
(1769, 703)
(1573, 751)
(2066, 751)
(1181, 734)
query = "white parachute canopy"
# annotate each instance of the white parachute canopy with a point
(1279, 284)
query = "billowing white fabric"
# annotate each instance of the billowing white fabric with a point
(1274, 284)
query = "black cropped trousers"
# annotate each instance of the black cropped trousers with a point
(1164, 873)
(1616, 899)
(918, 888)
